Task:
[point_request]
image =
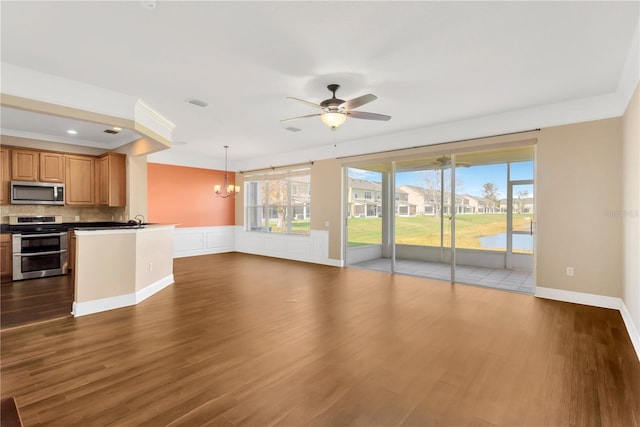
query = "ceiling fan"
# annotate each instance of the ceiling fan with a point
(336, 111)
(444, 162)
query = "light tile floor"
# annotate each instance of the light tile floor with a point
(512, 280)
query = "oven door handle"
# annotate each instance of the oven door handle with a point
(27, 236)
(40, 253)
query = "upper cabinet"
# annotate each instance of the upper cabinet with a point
(80, 185)
(30, 165)
(5, 174)
(111, 171)
(51, 167)
(89, 180)
(24, 165)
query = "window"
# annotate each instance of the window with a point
(279, 201)
(367, 195)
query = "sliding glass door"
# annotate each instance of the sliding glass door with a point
(465, 217)
(423, 217)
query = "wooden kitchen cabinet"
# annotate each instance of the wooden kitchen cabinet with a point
(5, 173)
(24, 165)
(111, 171)
(51, 167)
(6, 262)
(80, 180)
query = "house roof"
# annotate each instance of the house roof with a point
(362, 184)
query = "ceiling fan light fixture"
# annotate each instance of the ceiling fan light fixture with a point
(333, 119)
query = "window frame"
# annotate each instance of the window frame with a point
(258, 215)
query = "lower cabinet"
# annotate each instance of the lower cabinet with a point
(6, 264)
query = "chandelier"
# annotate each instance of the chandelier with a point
(226, 190)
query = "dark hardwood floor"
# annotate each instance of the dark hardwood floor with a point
(36, 300)
(256, 341)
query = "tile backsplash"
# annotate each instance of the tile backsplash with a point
(69, 213)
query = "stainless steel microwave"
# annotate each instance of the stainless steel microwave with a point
(37, 193)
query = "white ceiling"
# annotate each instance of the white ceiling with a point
(429, 63)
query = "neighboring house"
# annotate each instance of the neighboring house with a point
(301, 199)
(473, 205)
(403, 206)
(364, 198)
(428, 201)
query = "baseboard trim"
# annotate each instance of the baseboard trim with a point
(578, 298)
(198, 252)
(309, 259)
(595, 301)
(631, 328)
(112, 303)
(153, 288)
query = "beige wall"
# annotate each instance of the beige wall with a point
(105, 266)
(578, 192)
(154, 256)
(326, 202)
(117, 263)
(136, 187)
(631, 208)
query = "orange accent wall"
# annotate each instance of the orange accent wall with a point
(184, 196)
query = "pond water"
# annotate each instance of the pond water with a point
(522, 242)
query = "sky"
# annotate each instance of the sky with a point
(470, 180)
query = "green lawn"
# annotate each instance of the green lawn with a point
(425, 230)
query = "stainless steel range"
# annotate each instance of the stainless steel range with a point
(39, 246)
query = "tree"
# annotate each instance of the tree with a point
(277, 198)
(522, 195)
(490, 193)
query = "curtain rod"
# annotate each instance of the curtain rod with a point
(439, 143)
(310, 162)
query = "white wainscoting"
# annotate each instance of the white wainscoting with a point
(194, 241)
(312, 248)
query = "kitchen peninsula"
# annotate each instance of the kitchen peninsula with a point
(119, 267)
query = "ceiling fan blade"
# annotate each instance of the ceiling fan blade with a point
(368, 116)
(305, 102)
(357, 102)
(300, 117)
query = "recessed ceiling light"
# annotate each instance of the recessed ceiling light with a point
(116, 128)
(72, 132)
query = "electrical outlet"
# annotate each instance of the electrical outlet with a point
(570, 271)
(77, 218)
(150, 266)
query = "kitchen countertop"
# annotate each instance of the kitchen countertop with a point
(120, 228)
(66, 226)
